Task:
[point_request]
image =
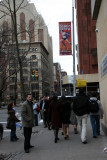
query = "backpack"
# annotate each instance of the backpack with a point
(93, 106)
(80, 105)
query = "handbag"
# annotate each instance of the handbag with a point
(38, 109)
(10, 124)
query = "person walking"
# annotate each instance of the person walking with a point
(73, 118)
(27, 121)
(35, 105)
(81, 109)
(12, 119)
(55, 111)
(96, 116)
(43, 110)
(66, 106)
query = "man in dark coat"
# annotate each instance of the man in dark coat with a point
(81, 109)
(27, 121)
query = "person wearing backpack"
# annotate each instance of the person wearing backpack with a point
(80, 108)
(95, 115)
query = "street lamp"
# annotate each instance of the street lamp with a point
(60, 77)
(60, 81)
(74, 79)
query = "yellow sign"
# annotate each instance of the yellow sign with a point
(20, 85)
(81, 83)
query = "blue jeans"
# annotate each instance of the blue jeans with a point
(36, 119)
(95, 123)
(13, 135)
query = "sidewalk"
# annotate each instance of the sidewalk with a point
(45, 148)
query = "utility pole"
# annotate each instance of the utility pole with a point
(73, 35)
(60, 80)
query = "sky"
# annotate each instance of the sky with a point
(53, 12)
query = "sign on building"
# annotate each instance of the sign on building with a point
(65, 43)
(81, 83)
(104, 66)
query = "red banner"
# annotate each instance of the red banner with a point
(65, 38)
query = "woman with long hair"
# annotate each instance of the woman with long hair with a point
(55, 111)
(12, 119)
(65, 116)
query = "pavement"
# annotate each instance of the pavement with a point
(45, 148)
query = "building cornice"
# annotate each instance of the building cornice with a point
(96, 9)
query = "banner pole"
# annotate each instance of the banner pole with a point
(74, 77)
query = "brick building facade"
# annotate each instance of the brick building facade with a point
(87, 56)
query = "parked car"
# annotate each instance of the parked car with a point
(68, 97)
(1, 131)
(2, 103)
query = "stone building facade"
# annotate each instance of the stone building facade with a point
(34, 38)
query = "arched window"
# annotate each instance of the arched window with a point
(31, 30)
(22, 26)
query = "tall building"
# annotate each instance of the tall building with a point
(35, 46)
(57, 78)
(87, 47)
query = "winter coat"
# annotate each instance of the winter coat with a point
(73, 117)
(27, 114)
(81, 104)
(66, 112)
(55, 111)
(12, 119)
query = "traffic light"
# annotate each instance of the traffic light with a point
(33, 73)
(36, 73)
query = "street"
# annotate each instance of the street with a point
(45, 148)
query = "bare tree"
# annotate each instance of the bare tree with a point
(10, 37)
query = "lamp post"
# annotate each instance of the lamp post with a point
(59, 71)
(74, 78)
(60, 81)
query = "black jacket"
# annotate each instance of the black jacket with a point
(81, 104)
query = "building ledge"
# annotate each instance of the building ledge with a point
(96, 9)
(90, 78)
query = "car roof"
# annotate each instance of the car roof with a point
(67, 96)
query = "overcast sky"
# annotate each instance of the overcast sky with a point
(54, 11)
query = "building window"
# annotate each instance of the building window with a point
(35, 86)
(13, 65)
(12, 87)
(33, 50)
(12, 79)
(26, 86)
(25, 64)
(25, 79)
(34, 64)
(12, 72)
(25, 71)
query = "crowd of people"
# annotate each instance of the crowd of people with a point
(58, 114)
